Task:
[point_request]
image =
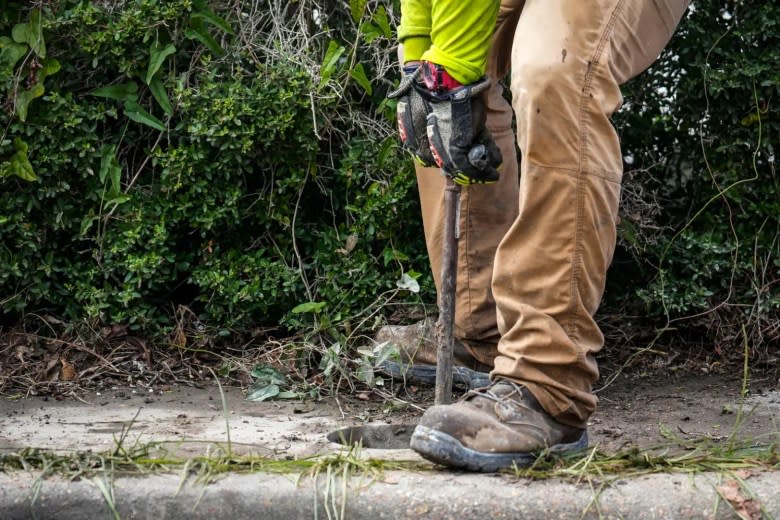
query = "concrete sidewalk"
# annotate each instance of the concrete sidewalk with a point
(430, 495)
(191, 421)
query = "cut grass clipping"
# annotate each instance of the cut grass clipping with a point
(690, 457)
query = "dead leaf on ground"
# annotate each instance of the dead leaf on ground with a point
(140, 344)
(52, 372)
(179, 338)
(114, 331)
(21, 351)
(68, 372)
(747, 508)
(743, 474)
(52, 320)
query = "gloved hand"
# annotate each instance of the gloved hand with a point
(461, 145)
(412, 111)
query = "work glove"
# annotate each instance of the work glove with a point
(412, 111)
(461, 145)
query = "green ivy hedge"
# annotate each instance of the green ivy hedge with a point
(701, 219)
(236, 159)
(167, 164)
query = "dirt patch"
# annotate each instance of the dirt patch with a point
(633, 411)
(93, 395)
(647, 410)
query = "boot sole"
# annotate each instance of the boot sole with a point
(425, 375)
(446, 450)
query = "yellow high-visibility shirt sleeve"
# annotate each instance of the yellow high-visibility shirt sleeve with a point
(452, 33)
(415, 28)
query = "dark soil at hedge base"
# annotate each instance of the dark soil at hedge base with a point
(633, 411)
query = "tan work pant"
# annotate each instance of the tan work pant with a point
(533, 254)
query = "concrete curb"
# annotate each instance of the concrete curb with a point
(434, 495)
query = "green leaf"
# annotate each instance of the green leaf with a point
(393, 255)
(308, 307)
(49, 67)
(214, 20)
(262, 393)
(267, 384)
(384, 351)
(365, 373)
(359, 75)
(38, 45)
(157, 56)
(31, 33)
(24, 98)
(750, 119)
(122, 92)
(110, 168)
(10, 54)
(160, 95)
(87, 222)
(379, 25)
(19, 164)
(202, 35)
(117, 198)
(268, 375)
(332, 55)
(370, 31)
(357, 8)
(384, 154)
(137, 113)
(381, 19)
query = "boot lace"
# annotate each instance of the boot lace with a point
(487, 391)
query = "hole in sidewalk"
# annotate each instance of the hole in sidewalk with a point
(376, 436)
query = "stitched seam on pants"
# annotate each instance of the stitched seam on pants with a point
(571, 323)
(465, 231)
(574, 172)
(464, 225)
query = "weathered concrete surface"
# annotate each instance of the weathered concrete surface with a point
(401, 495)
(186, 418)
(630, 413)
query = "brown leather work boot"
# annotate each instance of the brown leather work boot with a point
(493, 428)
(417, 365)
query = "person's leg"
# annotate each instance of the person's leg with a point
(568, 61)
(486, 213)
